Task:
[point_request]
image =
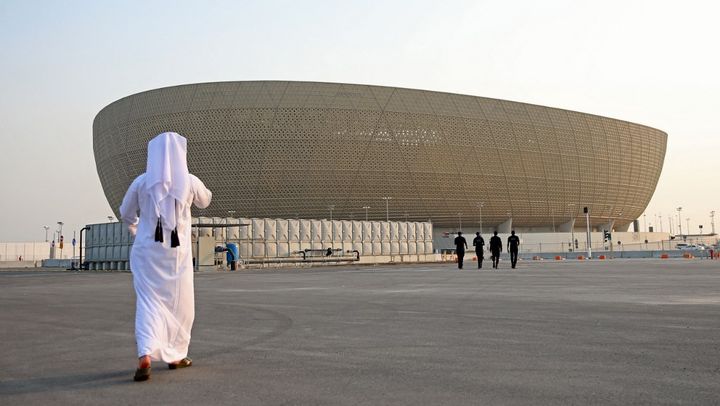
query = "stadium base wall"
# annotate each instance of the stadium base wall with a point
(282, 242)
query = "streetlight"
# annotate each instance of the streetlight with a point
(46, 232)
(387, 210)
(645, 222)
(460, 220)
(712, 221)
(60, 237)
(679, 209)
(587, 223)
(332, 227)
(480, 206)
(572, 226)
(366, 212)
(670, 223)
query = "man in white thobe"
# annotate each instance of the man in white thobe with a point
(161, 256)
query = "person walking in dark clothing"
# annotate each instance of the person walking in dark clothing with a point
(479, 243)
(460, 245)
(513, 244)
(495, 249)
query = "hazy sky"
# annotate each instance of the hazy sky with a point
(649, 62)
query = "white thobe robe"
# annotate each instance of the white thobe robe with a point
(162, 276)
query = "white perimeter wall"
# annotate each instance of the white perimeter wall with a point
(30, 251)
(443, 238)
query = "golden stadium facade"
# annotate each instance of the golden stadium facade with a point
(283, 149)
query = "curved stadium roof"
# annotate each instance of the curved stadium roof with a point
(293, 149)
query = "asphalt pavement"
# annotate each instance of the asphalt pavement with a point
(547, 333)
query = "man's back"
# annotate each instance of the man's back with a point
(495, 243)
(460, 243)
(513, 242)
(478, 243)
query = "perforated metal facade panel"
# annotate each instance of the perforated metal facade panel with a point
(293, 149)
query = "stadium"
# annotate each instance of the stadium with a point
(283, 149)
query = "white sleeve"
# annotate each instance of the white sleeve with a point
(130, 205)
(201, 195)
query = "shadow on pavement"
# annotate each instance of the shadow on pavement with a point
(66, 382)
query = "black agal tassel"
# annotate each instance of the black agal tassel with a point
(174, 240)
(159, 231)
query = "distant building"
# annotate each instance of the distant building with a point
(314, 150)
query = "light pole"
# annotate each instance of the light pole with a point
(480, 206)
(670, 223)
(72, 263)
(460, 221)
(366, 212)
(712, 221)
(332, 227)
(660, 221)
(679, 210)
(572, 226)
(46, 232)
(60, 237)
(654, 221)
(645, 222)
(387, 210)
(587, 222)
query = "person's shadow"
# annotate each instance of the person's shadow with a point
(65, 382)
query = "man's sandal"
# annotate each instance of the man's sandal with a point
(183, 363)
(142, 374)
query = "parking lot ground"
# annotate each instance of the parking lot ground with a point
(549, 332)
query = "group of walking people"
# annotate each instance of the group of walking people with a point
(513, 245)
